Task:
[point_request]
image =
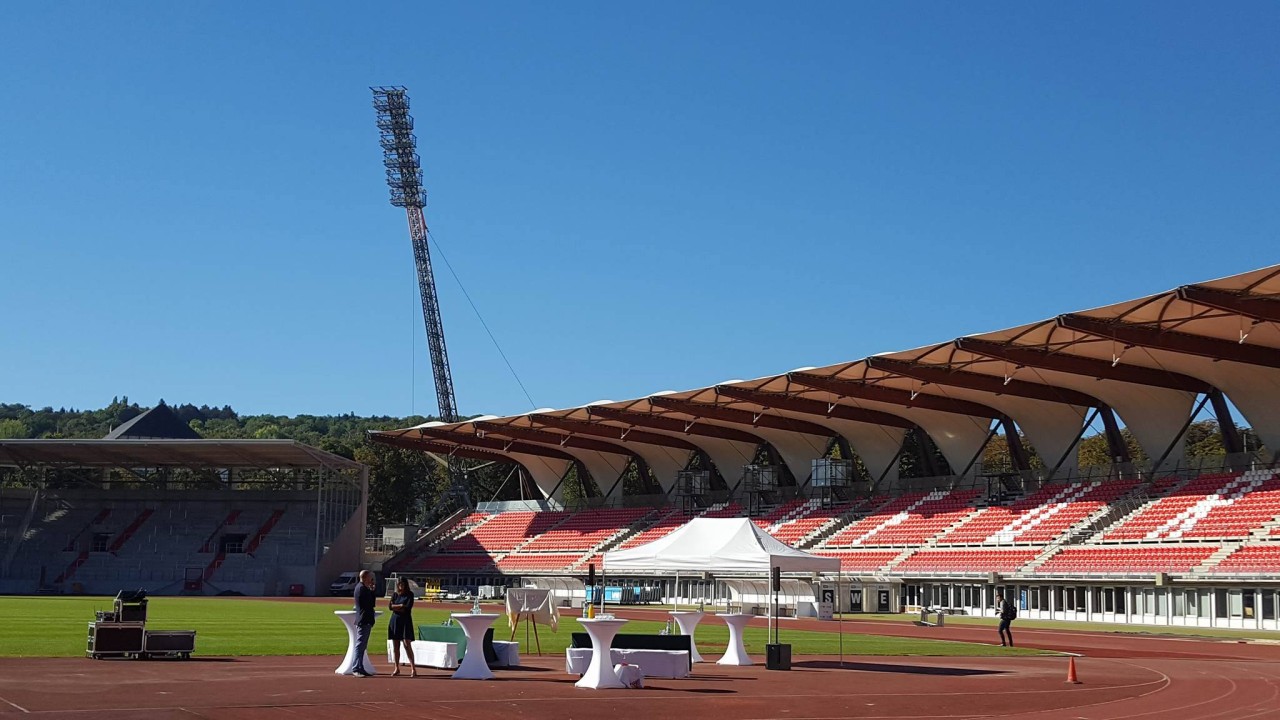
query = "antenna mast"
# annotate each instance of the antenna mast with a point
(404, 177)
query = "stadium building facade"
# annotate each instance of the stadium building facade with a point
(177, 516)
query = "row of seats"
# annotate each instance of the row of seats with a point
(1251, 560)
(1127, 559)
(981, 560)
(1220, 506)
(910, 519)
(585, 530)
(861, 560)
(1039, 517)
(815, 518)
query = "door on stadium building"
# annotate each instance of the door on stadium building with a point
(882, 601)
(855, 600)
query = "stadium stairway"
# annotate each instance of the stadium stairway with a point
(73, 541)
(129, 531)
(1218, 556)
(207, 545)
(901, 558)
(263, 530)
(848, 516)
(635, 528)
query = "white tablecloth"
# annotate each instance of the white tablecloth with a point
(508, 653)
(428, 653)
(654, 663)
(534, 604)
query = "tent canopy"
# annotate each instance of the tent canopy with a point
(719, 545)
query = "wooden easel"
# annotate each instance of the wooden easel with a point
(527, 616)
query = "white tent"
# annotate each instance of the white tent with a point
(717, 545)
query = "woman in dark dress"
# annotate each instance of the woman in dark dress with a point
(401, 628)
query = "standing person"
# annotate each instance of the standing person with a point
(401, 628)
(1008, 612)
(365, 602)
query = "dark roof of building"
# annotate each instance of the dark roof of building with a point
(158, 423)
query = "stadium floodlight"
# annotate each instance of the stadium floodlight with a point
(404, 178)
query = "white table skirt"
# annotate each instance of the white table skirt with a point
(473, 665)
(653, 663)
(508, 653)
(428, 653)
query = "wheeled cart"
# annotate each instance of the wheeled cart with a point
(115, 639)
(169, 643)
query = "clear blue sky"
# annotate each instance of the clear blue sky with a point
(638, 198)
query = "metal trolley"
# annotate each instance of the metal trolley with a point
(122, 633)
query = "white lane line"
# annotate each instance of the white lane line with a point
(16, 705)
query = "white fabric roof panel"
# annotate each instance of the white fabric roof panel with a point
(718, 545)
(1189, 331)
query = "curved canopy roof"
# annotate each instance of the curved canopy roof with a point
(1145, 361)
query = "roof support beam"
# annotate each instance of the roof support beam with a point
(1251, 306)
(1231, 442)
(927, 454)
(499, 445)
(940, 375)
(658, 422)
(1171, 340)
(422, 444)
(1117, 448)
(1017, 451)
(721, 413)
(893, 396)
(544, 437)
(613, 432)
(782, 401)
(1024, 356)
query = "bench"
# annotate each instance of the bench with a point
(636, 641)
(427, 653)
(496, 653)
(653, 663)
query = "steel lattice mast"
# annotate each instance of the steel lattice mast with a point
(404, 176)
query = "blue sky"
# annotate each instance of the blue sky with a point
(638, 197)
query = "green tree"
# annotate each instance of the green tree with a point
(13, 429)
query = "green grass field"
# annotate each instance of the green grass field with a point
(55, 626)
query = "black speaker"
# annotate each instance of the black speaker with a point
(591, 574)
(777, 579)
(777, 656)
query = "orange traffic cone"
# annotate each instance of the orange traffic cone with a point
(1071, 672)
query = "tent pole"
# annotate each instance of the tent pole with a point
(840, 601)
(769, 626)
(675, 596)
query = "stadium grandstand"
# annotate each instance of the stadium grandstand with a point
(176, 515)
(816, 456)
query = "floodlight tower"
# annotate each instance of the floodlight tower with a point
(404, 176)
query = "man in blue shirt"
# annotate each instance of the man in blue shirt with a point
(365, 602)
